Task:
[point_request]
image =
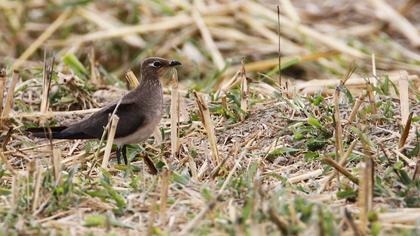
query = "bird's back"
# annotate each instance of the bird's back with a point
(137, 110)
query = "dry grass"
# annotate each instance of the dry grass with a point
(239, 151)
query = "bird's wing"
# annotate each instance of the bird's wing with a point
(131, 118)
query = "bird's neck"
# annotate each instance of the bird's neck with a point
(150, 89)
(150, 82)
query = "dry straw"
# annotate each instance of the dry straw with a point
(132, 79)
(399, 22)
(108, 22)
(209, 126)
(174, 112)
(341, 166)
(404, 100)
(41, 39)
(355, 83)
(110, 140)
(406, 131)
(56, 164)
(366, 185)
(37, 186)
(244, 91)
(2, 87)
(46, 85)
(223, 30)
(356, 108)
(10, 94)
(209, 42)
(164, 196)
(6, 162)
(340, 169)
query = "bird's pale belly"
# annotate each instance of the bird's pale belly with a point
(142, 133)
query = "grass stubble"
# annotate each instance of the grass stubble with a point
(251, 157)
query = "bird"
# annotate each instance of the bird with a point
(139, 112)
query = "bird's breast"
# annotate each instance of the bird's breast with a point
(144, 131)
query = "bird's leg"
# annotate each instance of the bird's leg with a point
(124, 154)
(119, 154)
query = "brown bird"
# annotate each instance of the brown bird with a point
(139, 112)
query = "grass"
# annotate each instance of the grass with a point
(332, 149)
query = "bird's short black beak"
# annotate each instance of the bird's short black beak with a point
(174, 63)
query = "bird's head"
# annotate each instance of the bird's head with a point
(155, 66)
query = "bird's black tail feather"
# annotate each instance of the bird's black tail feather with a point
(57, 133)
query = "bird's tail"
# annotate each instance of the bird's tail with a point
(57, 133)
(46, 132)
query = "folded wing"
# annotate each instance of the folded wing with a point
(130, 120)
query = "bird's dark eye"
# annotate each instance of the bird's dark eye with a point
(157, 64)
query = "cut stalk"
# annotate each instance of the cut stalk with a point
(208, 125)
(110, 140)
(174, 110)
